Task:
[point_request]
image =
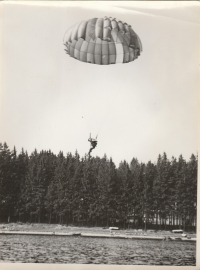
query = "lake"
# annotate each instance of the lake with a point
(85, 250)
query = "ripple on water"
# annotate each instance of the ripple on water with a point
(58, 249)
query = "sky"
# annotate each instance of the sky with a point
(138, 110)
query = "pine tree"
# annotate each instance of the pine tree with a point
(148, 178)
(191, 190)
(137, 175)
(21, 174)
(9, 185)
(181, 189)
(161, 189)
(126, 192)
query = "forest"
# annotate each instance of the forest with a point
(73, 190)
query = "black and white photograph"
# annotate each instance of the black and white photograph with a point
(99, 134)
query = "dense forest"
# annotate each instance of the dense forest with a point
(74, 190)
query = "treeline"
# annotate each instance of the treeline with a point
(68, 189)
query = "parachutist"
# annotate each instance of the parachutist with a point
(93, 143)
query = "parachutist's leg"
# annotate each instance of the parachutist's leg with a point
(90, 151)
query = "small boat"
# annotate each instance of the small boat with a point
(177, 231)
(76, 234)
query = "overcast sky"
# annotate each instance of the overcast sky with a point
(139, 109)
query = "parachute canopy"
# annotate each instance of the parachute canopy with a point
(102, 41)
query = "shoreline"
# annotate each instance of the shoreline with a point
(98, 232)
(116, 236)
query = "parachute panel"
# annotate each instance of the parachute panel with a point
(121, 26)
(105, 48)
(71, 51)
(90, 58)
(112, 48)
(107, 23)
(120, 38)
(77, 54)
(126, 54)
(83, 56)
(91, 47)
(97, 49)
(120, 53)
(112, 58)
(114, 35)
(107, 34)
(131, 54)
(114, 24)
(82, 30)
(75, 31)
(79, 44)
(126, 26)
(67, 37)
(90, 29)
(97, 59)
(105, 59)
(99, 28)
(84, 46)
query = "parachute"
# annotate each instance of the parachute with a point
(102, 41)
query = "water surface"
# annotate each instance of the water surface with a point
(84, 250)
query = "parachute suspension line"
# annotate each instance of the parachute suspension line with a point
(112, 101)
(86, 124)
(119, 88)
